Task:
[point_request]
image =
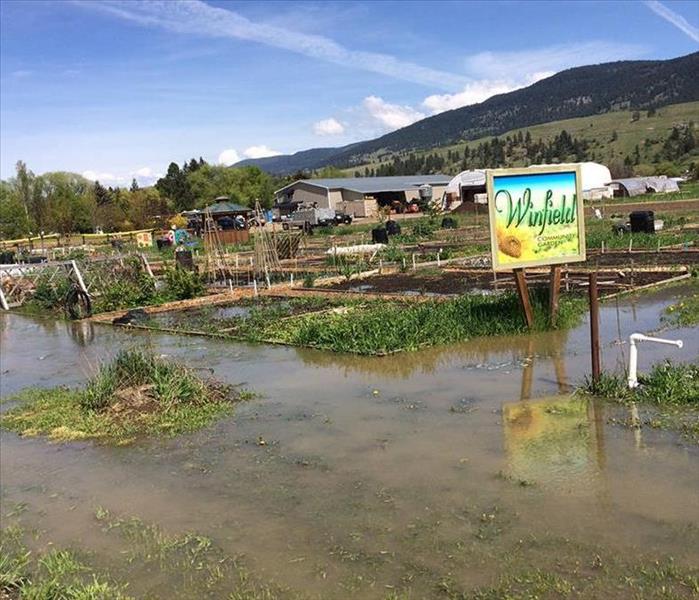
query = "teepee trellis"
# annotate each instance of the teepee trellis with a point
(266, 258)
(217, 267)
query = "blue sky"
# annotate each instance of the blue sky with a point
(118, 89)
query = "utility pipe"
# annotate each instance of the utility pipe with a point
(635, 338)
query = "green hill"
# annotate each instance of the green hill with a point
(609, 138)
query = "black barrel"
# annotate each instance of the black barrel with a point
(392, 228)
(379, 235)
(184, 259)
(642, 221)
(449, 223)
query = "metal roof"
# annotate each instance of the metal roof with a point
(636, 186)
(372, 185)
(227, 207)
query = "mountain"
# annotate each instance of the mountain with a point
(300, 161)
(578, 92)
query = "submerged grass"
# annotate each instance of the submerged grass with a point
(137, 394)
(684, 313)
(54, 575)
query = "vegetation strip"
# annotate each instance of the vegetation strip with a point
(373, 327)
(671, 390)
(137, 394)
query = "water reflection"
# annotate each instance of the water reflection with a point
(509, 351)
(81, 332)
(556, 442)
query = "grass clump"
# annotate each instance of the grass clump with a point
(137, 394)
(666, 384)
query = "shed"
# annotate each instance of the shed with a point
(661, 184)
(359, 196)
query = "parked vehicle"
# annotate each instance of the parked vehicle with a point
(308, 218)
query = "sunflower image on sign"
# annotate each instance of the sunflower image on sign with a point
(535, 216)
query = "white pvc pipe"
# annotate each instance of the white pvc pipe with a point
(634, 338)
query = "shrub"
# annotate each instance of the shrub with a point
(181, 284)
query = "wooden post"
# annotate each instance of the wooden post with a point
(594, 328)
(523, 292)
(554, 292)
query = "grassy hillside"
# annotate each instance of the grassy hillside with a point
(612, 135)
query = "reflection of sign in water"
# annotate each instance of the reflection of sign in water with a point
(552, 441)
(536, 217)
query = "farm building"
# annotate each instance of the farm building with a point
(469, 187)
(635, 186)
(358, 196)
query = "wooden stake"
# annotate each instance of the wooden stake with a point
(523, 292)
(594, 328)
(554, 292)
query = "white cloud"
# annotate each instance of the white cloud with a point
(198, 18)
(390, 116)
(328, 127)
(228, 157)
(102, 177)
(478, 91)
(473, 93)
(144, 172)
(521, 65)
(146, 176)
(259, 152)
(676, 19)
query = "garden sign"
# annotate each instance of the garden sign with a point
(536, 217)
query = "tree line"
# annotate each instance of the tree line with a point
(64, 202)
(660, 156)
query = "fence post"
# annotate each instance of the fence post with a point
(594, 328)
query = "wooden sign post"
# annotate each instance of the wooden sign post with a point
(536, 220)
(594, 328)
(524, 298)
(554, 292)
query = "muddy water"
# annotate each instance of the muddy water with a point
(452, 465)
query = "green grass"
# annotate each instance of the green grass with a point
(377, 327)
(53, 575)
(598, 231)
(135, 395)
(666, 384)
(684, 313)
(381, 327)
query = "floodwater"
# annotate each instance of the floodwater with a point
(434, 472)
